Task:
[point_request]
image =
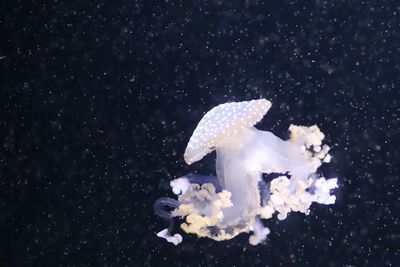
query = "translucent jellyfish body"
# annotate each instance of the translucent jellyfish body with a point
(238, 198)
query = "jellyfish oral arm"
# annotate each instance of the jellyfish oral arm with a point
(259, 233)
(284, 200)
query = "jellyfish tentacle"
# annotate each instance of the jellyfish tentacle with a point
(264, 192)
(160, 209)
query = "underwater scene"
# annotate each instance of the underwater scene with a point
(200, 133)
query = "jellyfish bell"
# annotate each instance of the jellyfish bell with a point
(235, 201)
(221, 123)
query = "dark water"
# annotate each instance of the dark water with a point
(98, 101)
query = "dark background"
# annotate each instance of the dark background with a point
(98, 101)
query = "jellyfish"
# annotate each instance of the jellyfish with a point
(239, 197)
